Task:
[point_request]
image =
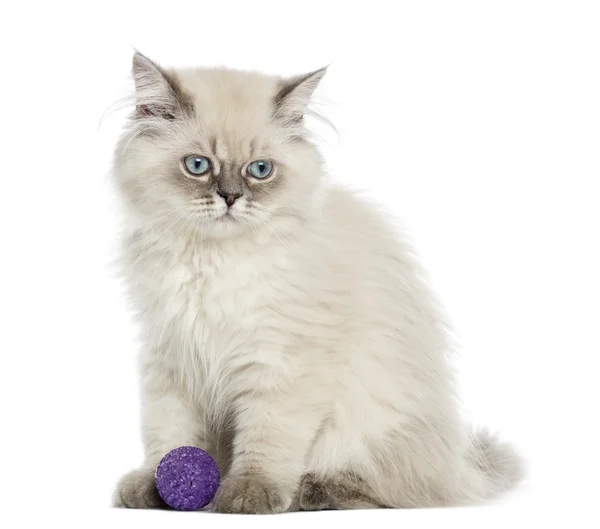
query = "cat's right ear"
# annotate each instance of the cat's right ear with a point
(157, 92)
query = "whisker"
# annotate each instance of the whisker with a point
(153, 243)
(165, 252)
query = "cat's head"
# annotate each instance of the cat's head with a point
(216, 150)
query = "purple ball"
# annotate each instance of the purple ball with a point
(187, 478)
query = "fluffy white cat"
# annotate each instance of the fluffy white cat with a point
(287, 328)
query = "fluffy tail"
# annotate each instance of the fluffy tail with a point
(497, 461)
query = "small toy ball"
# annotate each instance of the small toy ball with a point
(187, 478)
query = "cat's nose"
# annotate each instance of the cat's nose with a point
(229, 198)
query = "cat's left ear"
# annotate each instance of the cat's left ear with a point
(293, 96)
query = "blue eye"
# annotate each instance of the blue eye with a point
(260, 169)
(196, 165)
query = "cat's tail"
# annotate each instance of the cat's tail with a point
(500, 464)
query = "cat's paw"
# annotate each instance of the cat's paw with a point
(137, 490)
(250, 495)
(313, 495)
(344, 491)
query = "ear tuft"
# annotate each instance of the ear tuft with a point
(157, 92)
(293, 96)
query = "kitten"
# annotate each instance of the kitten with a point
(286, 327)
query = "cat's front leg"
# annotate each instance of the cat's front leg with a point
(273, 433)
(169, 421)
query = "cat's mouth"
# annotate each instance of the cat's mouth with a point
(227, 217)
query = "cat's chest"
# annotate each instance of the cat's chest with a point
(209, 312)
(218, 314)
(201, 295)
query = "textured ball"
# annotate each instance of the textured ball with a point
(187, 478)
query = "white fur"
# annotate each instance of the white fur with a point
(306, 340)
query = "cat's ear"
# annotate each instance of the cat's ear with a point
(157, 92)
(293, 96)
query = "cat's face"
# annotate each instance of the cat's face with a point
(217, 151)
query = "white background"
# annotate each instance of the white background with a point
(477, 123)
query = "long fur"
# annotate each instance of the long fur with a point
(301, 339)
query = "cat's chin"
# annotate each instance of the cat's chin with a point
(225, 227)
